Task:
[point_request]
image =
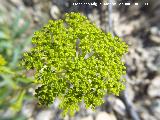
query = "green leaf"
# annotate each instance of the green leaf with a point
(18, 102)
(3, 36)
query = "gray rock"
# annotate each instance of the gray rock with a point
(87, 118)
(17, 2)
(155, 107)
(55, 12)
(154, 87)
(28, 109)
(155, 39)
(147, 116)
(45, 115)
(155, 34)
(119, 107)
(105, 116)
(131, 93)
(154, 30)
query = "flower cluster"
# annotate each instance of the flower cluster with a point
(75, 61)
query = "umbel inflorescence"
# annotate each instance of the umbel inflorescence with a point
(74, 61)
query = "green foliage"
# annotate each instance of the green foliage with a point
(12, 87)
(13, 84)
(75, 61)
(2, 61)
(12, 42)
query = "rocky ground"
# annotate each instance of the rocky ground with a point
(139, 26)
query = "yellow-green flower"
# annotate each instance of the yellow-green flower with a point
(80, 62)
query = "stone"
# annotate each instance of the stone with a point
(55, 12)
(154, 87)
(16, 2)
(147, 116)
(155, 108)
(155, 39)
(87, 118)
(119, 107)
(122, 28)
(131, 93)
(45, 115)
(28, 109)
(105, 116)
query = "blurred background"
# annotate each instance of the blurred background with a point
(138, 25)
